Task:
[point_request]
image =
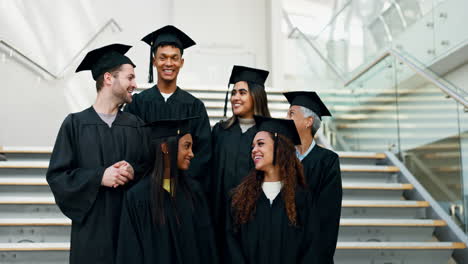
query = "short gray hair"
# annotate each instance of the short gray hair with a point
(317, 122)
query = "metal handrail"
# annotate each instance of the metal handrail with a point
(42, 68)
(420, 71)
(62, 73)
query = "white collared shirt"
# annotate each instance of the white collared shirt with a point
(272, 189)
(302, 156)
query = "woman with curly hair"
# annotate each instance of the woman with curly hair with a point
(272, 216)
(165, 216)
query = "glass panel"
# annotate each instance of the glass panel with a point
(368, 121)
(461, 212)
(360, 30)
(429, 138)
(451, 32)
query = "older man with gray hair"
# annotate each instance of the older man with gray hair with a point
(321, 169)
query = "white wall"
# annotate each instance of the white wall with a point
(52, 32)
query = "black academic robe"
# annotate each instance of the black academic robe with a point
(323, 176)
(84, 148)
(142, 242)
(231, 163)
(269, 238)
(150, 106)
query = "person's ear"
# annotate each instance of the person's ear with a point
(309, 122)
(164, 148)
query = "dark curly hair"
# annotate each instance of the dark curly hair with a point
(246, 194)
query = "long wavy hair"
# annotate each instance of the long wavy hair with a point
(246, 194)
(178, 184)
(260, 104)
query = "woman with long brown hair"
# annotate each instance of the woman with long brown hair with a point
(272, 218)
(231, 139)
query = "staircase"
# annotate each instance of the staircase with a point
(378, 224)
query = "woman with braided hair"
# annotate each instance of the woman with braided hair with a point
(165, 216)
(272, 215)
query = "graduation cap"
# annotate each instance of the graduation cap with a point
(246, 74)
(102, 59)
(169, 35)
(309, 100)
(170, 127)
(277, 126)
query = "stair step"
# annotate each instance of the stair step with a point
(391, 116)
(33, 164)
(44, 199)
(385, 204)
(387, 230)
(361, 155)
(22, 150)
(34, 246)
(368, 168)
(390, 222)
(400, 245)
(386, 125)
(377, 186)
(374, 191)
(26, 181)
(35, 222)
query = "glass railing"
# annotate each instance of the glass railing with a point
(405, 111)
(395, 103)
(429, 30)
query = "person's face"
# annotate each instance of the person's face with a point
(123, 84)
(242, 101)
(303, 124)
(185, 154)
(262, 151)
(168, 61)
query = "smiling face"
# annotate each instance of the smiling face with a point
(262, 151)
(242, 101)
(185, 154)
(168, 61)
(123, 83)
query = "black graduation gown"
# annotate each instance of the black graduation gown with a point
(150, 106)
(269, 238)
(84, 148)
(323, 176)
(140, 241)
(231, 163)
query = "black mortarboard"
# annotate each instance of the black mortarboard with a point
(309, 100)
(101, 60)
(246, 74)
(170, 127)
(277, 126)
(284, 127)
(166, 35)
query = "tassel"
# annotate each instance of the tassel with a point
(275, 144)
(225, 102)
(150, 73)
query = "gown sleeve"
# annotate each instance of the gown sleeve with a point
(233, 251)
(329, 199)
(129, 249)
(75, 189)
(200, 165)
(309, 249)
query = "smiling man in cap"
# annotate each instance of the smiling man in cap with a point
(97, 155)
(166, 100)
